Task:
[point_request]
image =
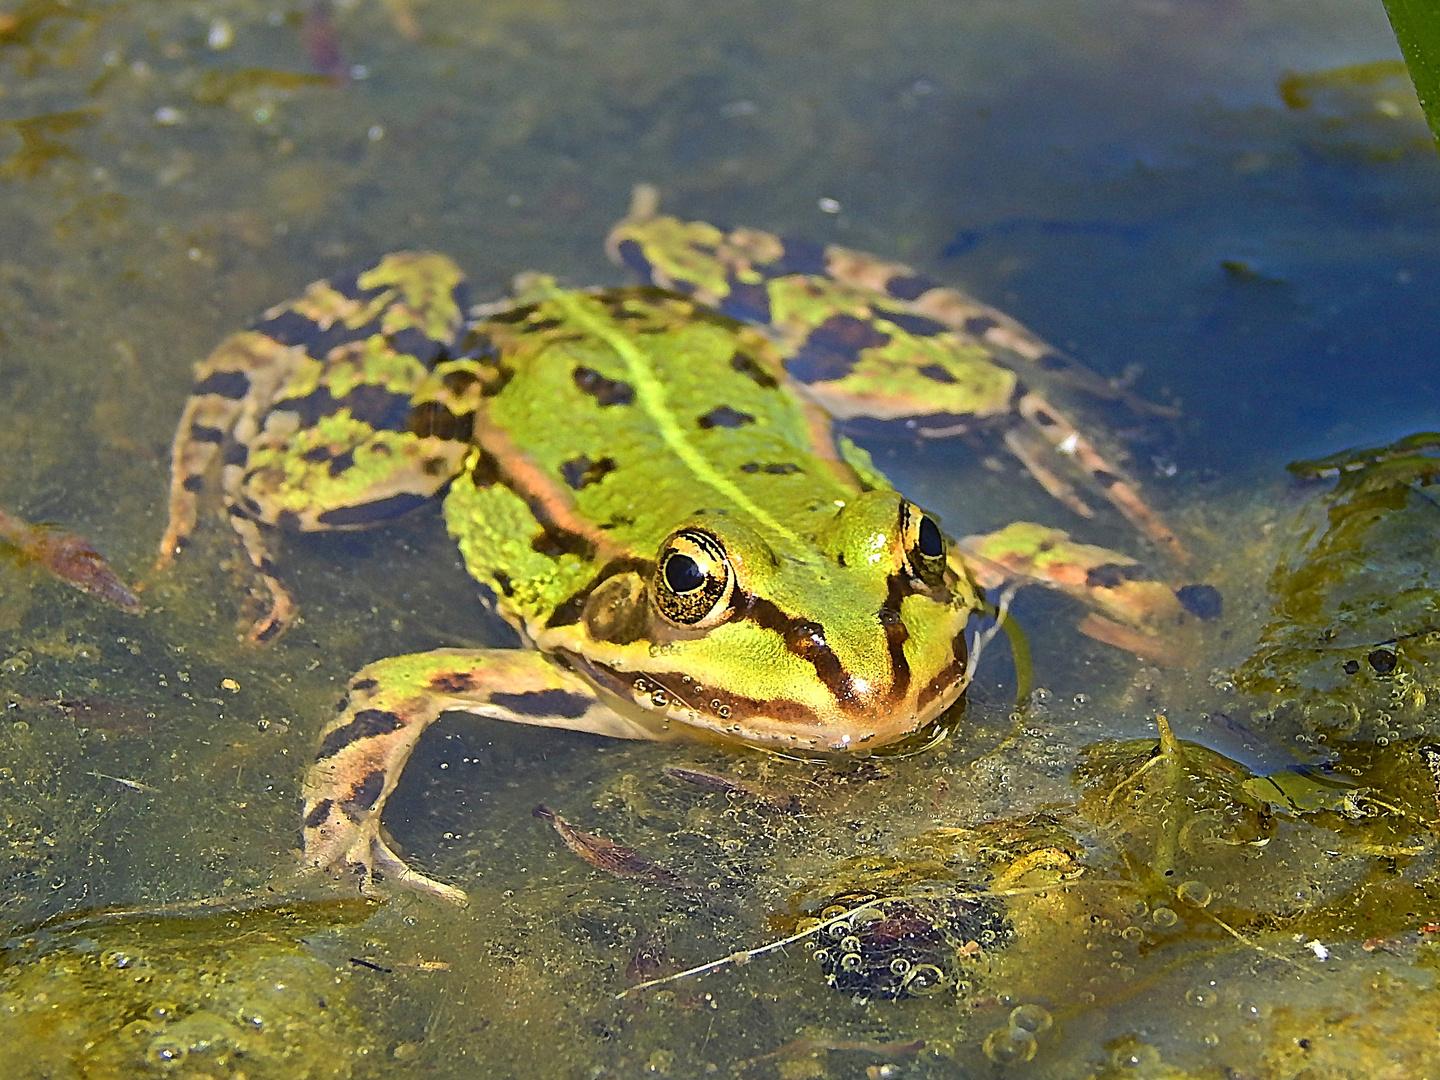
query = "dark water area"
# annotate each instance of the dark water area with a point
(1212, 860)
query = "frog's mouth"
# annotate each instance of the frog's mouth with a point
(660, 699)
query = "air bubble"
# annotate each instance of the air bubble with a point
(1136, 1055)
(925, 979)
(1202, 997)
(1163, 916)
(1194, 892)
(1030, 1018)
(166, 1052)
(851, 962)
(899, 965)
(1009, 1046)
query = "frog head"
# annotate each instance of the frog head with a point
(850, 638)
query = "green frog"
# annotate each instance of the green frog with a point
(647, 481)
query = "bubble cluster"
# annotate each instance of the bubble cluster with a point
(900, 947)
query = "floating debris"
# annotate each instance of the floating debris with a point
(611, 857)
(71, 558)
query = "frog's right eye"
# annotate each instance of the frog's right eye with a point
(694, 581)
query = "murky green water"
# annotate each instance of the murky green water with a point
(1187, 194)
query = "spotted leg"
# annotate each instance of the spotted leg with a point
(338, 410)
(865, 338)
(1130, 608)
(389, 704)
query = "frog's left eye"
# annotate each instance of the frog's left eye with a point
(924, 545)
(694, 580)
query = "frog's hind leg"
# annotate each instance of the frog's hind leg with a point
(1065, 440)
(338, 410)
(1130, 608)
(389, 705)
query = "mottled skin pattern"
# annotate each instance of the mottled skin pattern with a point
(651, 490)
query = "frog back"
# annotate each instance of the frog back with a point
(618, 415)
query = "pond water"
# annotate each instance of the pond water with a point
(1230, 207)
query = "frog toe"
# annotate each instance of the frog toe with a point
(395, 869)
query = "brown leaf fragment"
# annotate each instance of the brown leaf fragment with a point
(71, 558)
(609, 856)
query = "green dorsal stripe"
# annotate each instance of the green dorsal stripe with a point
(651, 393)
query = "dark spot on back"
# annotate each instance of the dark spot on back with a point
(1052, 361)
(452, 682)
(236, 454)
(918, 325)
(193, 483)
(1106, 479)
(832, 349)
(1383, 661)
(605, 391)
(366, 724)
(726, 417)
(562, 703)
(1202, 600)
(227, 384)
(201, 433)
(553, 542)
(342, 461)
(581, 471)
(372, 512)
(750, 367)
(316, 454)
(773, 468)
(979, 325)
(748, 303)
(937, 372)
(909, 287)
(1351, 667)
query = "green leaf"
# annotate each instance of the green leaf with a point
(1417, 28)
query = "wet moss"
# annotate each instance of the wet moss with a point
(226, 994)
(1354, 635)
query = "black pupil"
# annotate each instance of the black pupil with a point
(931, 545)
(683, 574)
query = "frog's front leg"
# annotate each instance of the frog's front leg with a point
(389, 705)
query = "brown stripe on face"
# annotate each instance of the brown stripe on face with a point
(804, 639)
(367, 724)
(947, 677)
(896, 634)
(729, 711)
